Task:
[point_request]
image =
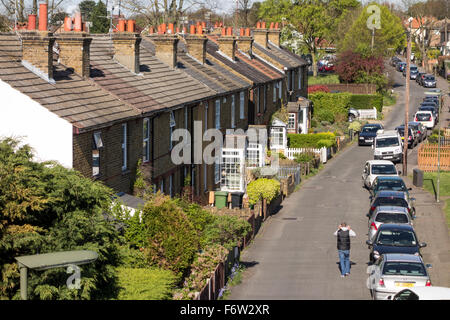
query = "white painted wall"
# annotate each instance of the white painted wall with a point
(49, 135)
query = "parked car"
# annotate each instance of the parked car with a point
(419, 129)
(395, 60)
(411, 69)
(414, 71)
(434, 99)
(418, 77)
(422, 76)
(422, 293)
(429, 81)
(426, 118)
(412, 139)
(387, 214)
(388, 145)
(432, 108)
(368, 133)
(375, 168)
(389, 183)
(393, 272)
(392, 198)
(353, 114)
(400, 66)
(394, 238)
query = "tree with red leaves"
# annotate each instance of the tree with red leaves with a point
(353, 67)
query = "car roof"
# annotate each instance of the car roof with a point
(387, 133)
(389, 178)
(423, 111)
(391, 209)
(431, 293)
(380, 162)
(391, 193)
(396, 226)
(372, 125)
(402, 257)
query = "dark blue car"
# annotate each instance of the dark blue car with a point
(368, 133)
(394, 238)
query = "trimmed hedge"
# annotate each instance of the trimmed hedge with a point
(366, 101)
(328, 105)
(145, 283)
(311, 140)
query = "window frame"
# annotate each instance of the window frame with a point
(146, 140)
(217, 113)
(242, 105)
(124, 143)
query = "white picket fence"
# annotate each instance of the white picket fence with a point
(367, 113)
(291, 152)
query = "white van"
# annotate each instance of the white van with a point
(388, 145)
(425, 118)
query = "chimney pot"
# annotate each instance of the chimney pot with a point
(31, 22)
(263, 25)
(184, 30)
(151, 30)
(43, 16)
(178, 29)
(170, 29)
(121, 25)
(258, 25)
(242, 32)
(67, 24)
(247, 32)
(163, 28)
(192, 29)
(203, 24)
(277, 25)
(271, 25)
(78, 23)
(199, 29)
(131, 25)
(229, 31)
(224, 31)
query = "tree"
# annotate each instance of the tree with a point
(44, 208)
(100, 22)
(87, 8)
(388, 39)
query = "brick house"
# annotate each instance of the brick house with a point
(59, 112)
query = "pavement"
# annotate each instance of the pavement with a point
(294, 256)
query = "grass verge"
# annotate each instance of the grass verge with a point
(430, 183)
(323, 79)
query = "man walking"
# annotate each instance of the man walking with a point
(343, 234)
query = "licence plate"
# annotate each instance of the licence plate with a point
(369, 140)
(404, 284)
(388, 157)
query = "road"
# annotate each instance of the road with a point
(294, 257)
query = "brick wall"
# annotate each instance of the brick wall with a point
(111, 173)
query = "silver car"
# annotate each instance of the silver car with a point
(388, 214)
(393, 272)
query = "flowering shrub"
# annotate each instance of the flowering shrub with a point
(262, 188)
(202, 269)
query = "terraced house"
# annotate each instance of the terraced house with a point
(103, 103)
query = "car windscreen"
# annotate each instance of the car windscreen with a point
(400, 238)
(389, 217)
(394, 185)
(423, 116)
(369, 129)
(390, 201)
(383, 169)
(429, 78)
(413, 69)
(404, 268)
(387, 142)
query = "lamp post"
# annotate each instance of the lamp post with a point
(406, 133)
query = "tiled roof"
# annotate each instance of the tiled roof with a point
(211, 74)
(78, 101)
(254, 69)
(158, 87)
(287, 59)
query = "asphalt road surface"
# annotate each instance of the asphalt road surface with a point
(294, 256)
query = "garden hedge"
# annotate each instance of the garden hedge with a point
(311, 140)
(366, 101)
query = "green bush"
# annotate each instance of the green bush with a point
(167, 236)
(324, 115)
(304, 157)
(325, 143)
(262, 189)
(330, 103)
(145, 283)
(225, 230)
(310, 140)
(366, 101)
(355, 126)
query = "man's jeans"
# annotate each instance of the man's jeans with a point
(344, 260)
